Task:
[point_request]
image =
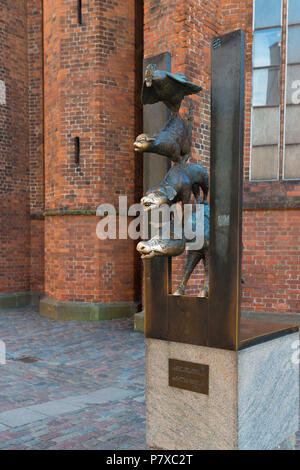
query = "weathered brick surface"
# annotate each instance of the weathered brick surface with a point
(90, 94)
(14, 150)
(36, 142)
(79, 267)
(21, 147)
(271, 262)
(37, 246)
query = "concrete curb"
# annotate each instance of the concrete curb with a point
(139, 319)
(19, 299)
(85, 311)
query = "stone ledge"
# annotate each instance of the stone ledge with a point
(292, 318)
(19, 299)
(139, 319)
(86, 311)
(288, 318)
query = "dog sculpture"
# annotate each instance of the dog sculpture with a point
(173, 141)
(179, 184)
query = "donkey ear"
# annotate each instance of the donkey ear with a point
(170, 192)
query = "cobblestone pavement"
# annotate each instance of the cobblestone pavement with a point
(85, 391)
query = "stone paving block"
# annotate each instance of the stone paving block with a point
(98, 369)
(19, 417)
(104, 395)
(109, 394)
(55, 408)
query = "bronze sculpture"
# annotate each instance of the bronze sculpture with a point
(160, 246)
(179, 184)
(169, 88)
(182, 180)
(195, 256)
(173, 141)
(165, 243)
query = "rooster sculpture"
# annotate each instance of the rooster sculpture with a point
(167, 87)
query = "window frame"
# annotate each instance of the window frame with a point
(285, 104)
(280, 68)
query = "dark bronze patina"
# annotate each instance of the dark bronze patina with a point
(226, 173)
(154, 119)
(161, 247)
(173, 141)
(163, 244)
(195, 256)
(189, 376)
(213, 321)
(167, 87)
(179, 184)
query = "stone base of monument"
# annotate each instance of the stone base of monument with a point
(139, 322)
(201, 398)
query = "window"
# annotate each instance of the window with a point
(291, 165)
(266, 89)
(272, 65)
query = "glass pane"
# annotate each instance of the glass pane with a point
(292, 162)
(267, 13)
(266, 87)
(265, 126)
(293, 84)
(264, 163)
(293, 44)
(294, 11)
(292, 125)
(267, 48)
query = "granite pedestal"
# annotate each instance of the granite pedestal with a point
(252, 403)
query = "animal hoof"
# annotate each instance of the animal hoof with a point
(179, 292)
(203, 293)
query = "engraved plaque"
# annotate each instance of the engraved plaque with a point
(189, 376)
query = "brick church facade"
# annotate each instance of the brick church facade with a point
(70, 80)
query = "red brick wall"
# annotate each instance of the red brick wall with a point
(36, 141)
(14, 150)
(185, 29)
(271, 261)
(79, 268)
(89, 93)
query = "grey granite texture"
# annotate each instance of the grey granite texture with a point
(183, 420)
(268, 383)
(252, 402)
(287, 444)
